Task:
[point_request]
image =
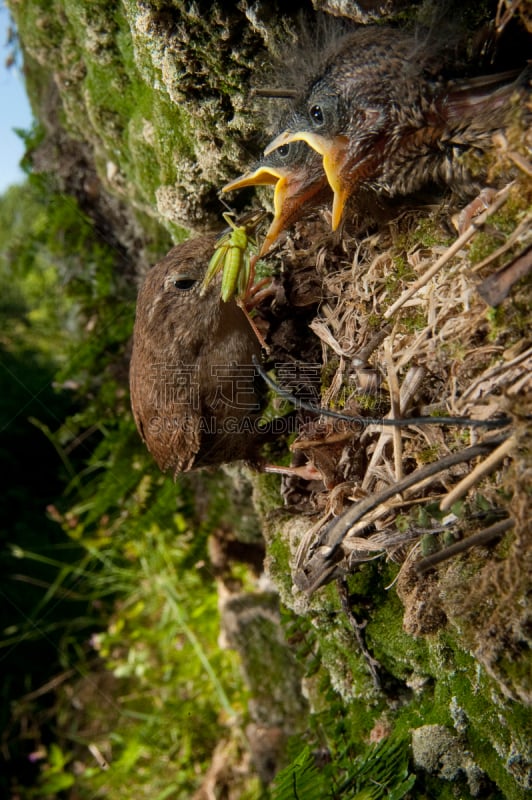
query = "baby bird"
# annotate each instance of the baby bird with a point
(297, 173)
(194, 390)
(381, 113)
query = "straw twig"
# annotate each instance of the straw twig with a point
(481, 537)
(482, 469)
(457, 245)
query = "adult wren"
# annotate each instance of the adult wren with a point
(195, 394)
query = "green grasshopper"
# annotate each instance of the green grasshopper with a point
(231, 255)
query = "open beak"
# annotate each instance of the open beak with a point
(335, 156)
(293, 188)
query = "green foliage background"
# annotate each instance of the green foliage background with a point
(96, 556)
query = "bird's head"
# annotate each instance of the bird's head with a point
(171, 311)
(343, 135)
(347, 113)
(297, 174)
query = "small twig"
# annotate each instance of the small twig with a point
(492, 373)
(272, 91)
(500, 199)
(520, 383)
(495, 288)
(409, 388)
(365, 421)
(51, 685)
(361, 357)
(98, 756)
(241, 304)
(519, 234)
(343, 592)
(395, 409)
(482, 537)
(335, 532)
(520, 161)
(331, 438)
(505, 10)
(478, 472)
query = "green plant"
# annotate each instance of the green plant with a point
(381, 772)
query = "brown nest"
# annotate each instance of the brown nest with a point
(413, 321)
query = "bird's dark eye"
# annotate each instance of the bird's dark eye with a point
(316, 115)
(283, 150)
(184, 284)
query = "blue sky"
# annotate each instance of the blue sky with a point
(15, 111)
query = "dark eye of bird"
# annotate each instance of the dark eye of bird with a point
(317, 115)
(184, 284)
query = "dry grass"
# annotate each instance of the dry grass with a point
(405, 332)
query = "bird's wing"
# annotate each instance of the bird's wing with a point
(484, 94)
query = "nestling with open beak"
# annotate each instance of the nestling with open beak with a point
(381, 113)
(297, 173)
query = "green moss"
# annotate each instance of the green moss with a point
(374, 321)
(346, 664)
(495, 726)
(450, 689)
(360, 583)
(252, 623)
(278, 560)
(414, 321)
(267, 487)
(501, 225)
(399, 653)
(428, 233)
(367, 402)
(483, 245)
(497, 319)
(428, 454)
(454, 349)
(148, 92)
(401, 272)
